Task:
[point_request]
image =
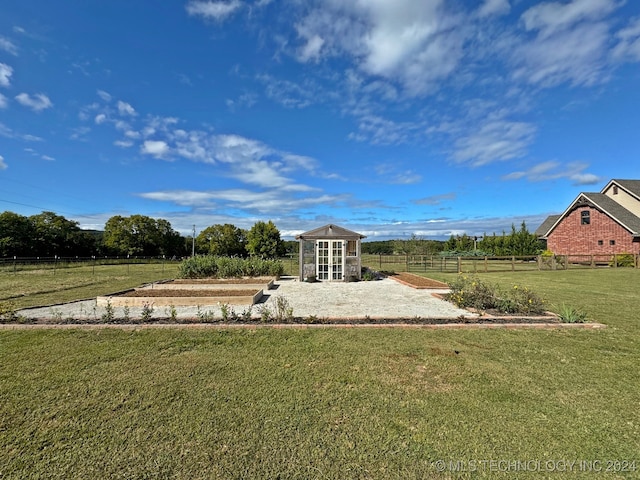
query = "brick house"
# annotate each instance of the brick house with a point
(603, 223)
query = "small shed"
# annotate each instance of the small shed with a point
(330, 253)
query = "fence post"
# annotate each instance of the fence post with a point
(406, 262)
(615, 260)
(486, 264)
(380, 261)
(513, 263)
(14, 264)
(459, 265)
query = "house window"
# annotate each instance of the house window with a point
(585, 217)
(612, 242)
(615, 189)
(600, 242)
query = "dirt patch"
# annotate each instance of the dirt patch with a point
(189, 293)
(416, 281)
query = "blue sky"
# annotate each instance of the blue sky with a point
(388, 117)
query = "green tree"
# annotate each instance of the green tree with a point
(225, 240)
(263, 240)
(141, 235)
(53, 234)
(15, 235)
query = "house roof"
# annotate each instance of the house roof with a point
(603, 203)
(631, 186)
(542, 230)
(330, 231)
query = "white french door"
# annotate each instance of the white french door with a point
(330, 260)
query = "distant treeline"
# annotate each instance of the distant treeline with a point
(48, 234)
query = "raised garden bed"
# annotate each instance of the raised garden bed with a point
(182, 297)
(256, 283)
(416, 281)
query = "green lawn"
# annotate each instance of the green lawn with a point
(41, 287)
(325, 403)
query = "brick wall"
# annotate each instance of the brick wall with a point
(571, 237)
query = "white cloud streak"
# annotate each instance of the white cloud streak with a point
(552, 170)
(37, 102)
(5, 75)
(8, 46)
(3, 165)
(211, 10)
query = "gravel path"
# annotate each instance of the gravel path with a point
(382, 299)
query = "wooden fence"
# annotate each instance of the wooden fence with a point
(427, 263)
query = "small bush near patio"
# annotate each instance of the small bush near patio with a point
(213, 266)
(471, 292)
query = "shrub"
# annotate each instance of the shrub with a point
(212, 266)
(623, 260)
(521, 300)
(471, 292)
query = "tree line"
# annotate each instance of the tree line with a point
(48, 234)
(518, 242)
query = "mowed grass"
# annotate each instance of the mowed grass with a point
(332, 403)
(48, 286)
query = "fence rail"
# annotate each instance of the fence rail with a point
(438, 263)
(397, 263)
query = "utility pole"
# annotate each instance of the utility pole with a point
(193, 242)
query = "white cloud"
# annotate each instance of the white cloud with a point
(37, 102)
(435, 200)
(414, 43)
(218, 11)
(551, 170)
(3, 101)
(628, 46)
(155, 148)
(311, 50)
(125, 109)
(9, 133)
(494, 7)
(577, 56)
(104, 95)
(47, 158)
(495, 140)
(3, 165)
(8, 46)
(100, 118)
(550, 17)
(123, 143)
(5, 74)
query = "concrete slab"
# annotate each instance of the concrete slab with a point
(381, 299)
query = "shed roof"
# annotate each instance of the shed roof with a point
(330, 231)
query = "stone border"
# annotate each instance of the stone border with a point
(277, 326)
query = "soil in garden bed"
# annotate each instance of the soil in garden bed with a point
(189, 293)
(417, 280)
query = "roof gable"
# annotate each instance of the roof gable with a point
(631, 186)
(330, 231)
(605, 204)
